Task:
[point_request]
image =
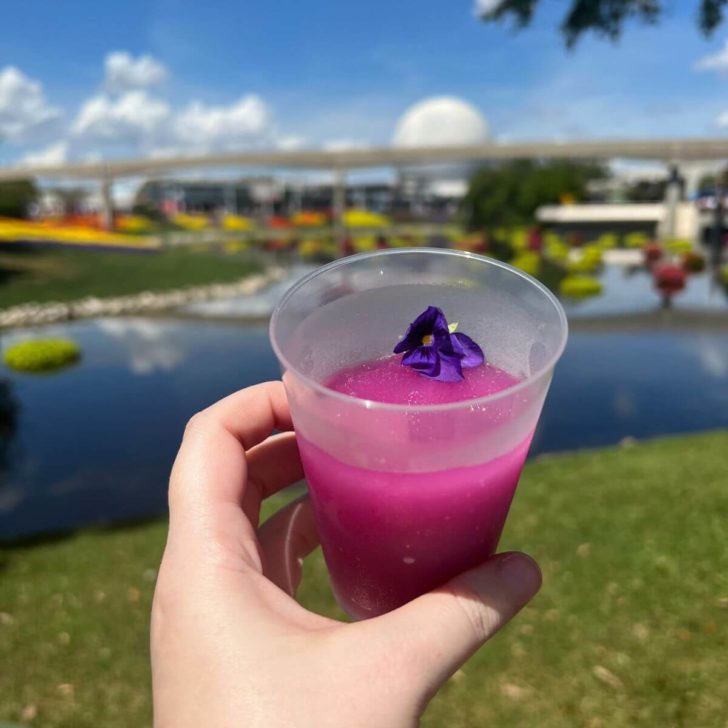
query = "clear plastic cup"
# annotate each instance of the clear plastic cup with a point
(406, 497)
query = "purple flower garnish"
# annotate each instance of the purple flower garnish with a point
(431, 348)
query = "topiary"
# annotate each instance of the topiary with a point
(527, 261)
(555, 249)
(607, 241)
(580, 287)
(651, 253)
(589, 260)
(635, 240)
(677, 246)
(41, 355)
(693, 262)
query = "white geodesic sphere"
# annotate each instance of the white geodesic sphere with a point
(440, 121)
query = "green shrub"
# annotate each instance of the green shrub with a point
(693, 262)
(636, 240)
(555, 248)
(16, 197)
(677, 246)
(527, 261)
(550, 236)
(589, 261)
(519, 239)
(41, 355)
(724, 275)
(606, 241)
(580, 286)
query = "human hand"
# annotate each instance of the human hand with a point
(231, 646)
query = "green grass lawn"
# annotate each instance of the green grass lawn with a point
(64, 274)
(630, 628)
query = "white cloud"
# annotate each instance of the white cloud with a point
(245, 122)
(715, 61)
(127, 117)
(712, 357)
(24, 111)
(52, 156)
(722, 120)
(135, 117)
(150, 346)
(291, 142)
(484, 8)
(124, 72)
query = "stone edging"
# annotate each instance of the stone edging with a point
(33, 314)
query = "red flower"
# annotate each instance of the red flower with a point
(652, 252)
(535, 239)
(669, 279)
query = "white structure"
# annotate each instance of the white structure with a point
(671, 152)
(442, 121)
(680, 221)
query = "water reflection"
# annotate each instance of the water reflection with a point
(616, 385)
(150, 346)
(95, 443)
(630, 291)
(8, 422)
(711, 355)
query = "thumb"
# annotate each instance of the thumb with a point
(436, 633)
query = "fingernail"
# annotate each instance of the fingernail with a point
(520, 575)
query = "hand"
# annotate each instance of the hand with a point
(232, 647)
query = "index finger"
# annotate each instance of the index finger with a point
(250, 415)
(210, 473)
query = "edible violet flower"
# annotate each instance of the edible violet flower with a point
(432, 348)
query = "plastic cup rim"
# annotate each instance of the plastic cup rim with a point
(542, 371)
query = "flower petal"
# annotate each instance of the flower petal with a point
(423, 359)
(450, 369)
(431, 322)
(472, 354)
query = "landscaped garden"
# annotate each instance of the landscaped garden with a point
(55, 273)
(629, 629)
(41, 273)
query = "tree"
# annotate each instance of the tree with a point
(16, 197)
(647, 190)
(509, 194)
(708, 182)
(603, 17)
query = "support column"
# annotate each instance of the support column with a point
(107, 204)
(672, 199)
(339, 208)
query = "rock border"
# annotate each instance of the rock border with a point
(34, 314)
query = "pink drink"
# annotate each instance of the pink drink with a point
(411, 479)
(391, 536)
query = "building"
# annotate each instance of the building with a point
(201, 195)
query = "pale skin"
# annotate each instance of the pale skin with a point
(230, 645)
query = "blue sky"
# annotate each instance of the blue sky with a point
(234, 74)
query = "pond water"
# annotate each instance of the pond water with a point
(631, 291)
(95, 443)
